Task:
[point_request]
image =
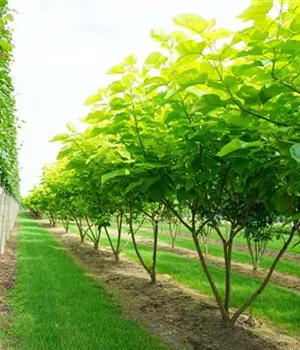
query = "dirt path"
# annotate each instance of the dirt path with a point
(185, 318)
(271, 252)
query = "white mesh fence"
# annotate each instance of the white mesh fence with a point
(9, 209)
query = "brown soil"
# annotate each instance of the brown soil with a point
(8, 262)
(180, 316)
(278, 278)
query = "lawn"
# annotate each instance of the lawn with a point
(274, 244)
(57, 306)
(284, 266)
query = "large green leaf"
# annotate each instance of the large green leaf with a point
(235, 145)
(295, 152)
(257, 9)
(113, 174)
(155, 60)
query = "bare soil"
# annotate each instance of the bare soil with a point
(8, 263)
(182, 317)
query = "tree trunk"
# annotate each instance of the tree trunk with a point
(224, 313)
(67, 225)
(227, 257)
(154, 256)
(266, 280)
(132, 233)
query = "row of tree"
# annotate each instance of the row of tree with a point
(207, 129)
(9, 174)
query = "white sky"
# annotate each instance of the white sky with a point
(63, 49)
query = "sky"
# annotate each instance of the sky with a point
(63, 49)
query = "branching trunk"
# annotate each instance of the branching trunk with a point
(115, 250)
(266, 280)
(173, 230)
(258, 251)
(65, 223)
(80, 229)
(150, 269)
(94, 236)
(210, 279)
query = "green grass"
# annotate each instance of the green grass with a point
(57, 306)
(275, 244)
(275, 304)
(284, 266)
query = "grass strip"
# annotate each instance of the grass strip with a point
(56, 305)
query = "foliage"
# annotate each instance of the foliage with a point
(9, 175)
(209, 124)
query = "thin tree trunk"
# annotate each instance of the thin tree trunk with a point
(116, 255)
(266, 280)
(119, 225)
(251, 251)
(131, 229)
(227, 256)
(80, 230)
(154, 256)
(217, 296)
(67, 225)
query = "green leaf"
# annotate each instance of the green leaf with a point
(236, 144)
(96, 117)
(113, 174)
(258, 8)
(190, 47)
(60, 137)
(217, 34)
(118, 103)
(94, 98)
(192, 22)
(6, 46)
(130, 60)
(159, 35)
(117, 69)
(295, 24)
(248, 94)
(208, 103)
(295, 152)
(71, 127)
(116, 87)
(155, 60)
(64, 153)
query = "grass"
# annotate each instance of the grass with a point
(284, 266)
(275, 244)
(275, 304)
(57, 306)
